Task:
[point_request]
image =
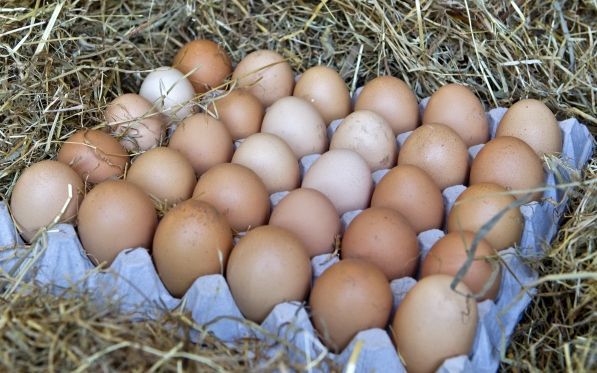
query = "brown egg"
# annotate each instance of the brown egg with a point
(203, 140)
(94, 155)
(41, 197)
(439, 151)
(343, 176)
(115, 215)
(368, 134)
(240, 111)
(410, 191)
(457, 107)
(480, 203)
(207, 63)
(449, 255)
(266, 74)
(382, 236)
(324, 88)
(532, 122)
(297, 122)
(268, 266)
(164, 174)
(272, 159)
(136, 122)
(391, 98)
(350, 296)
(192, 240)
(511, 163)
(237, 192)
(311, 216)
(434, 323)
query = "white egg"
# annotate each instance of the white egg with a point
(169, 90)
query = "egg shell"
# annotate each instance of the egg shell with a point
(193, 239)
(204, 141)
(268, 266)
(40, 195)
(170, 91)
(433, 323)
(94, 155)
(350, 296)
(240, 111)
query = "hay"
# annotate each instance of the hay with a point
(62, 62)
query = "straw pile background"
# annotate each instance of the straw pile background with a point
(61, 62)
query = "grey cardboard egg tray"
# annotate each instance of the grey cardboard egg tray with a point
(59, 262)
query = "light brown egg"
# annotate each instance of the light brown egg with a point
(350, 296)
(393, 99)
(297, 122)
(192, 240)
(511, 163)
(459, 108)
(240, 111)
(237, 192)
(203, 140)
(207, 63)
(439, 151)
(480, 203)
(115, 215)
(94, 155)
(410, 191)
(343, 176)
(271, 159)
(268, 266)
(41, 196)
(311, 216)
(164, 174)
(449, 255)
(382, 236)
(434, 323)
(324, 87)
(265, 74)
(531, 121)
(135, 121)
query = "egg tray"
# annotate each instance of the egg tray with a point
(60, 262)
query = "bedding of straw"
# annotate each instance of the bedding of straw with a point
(61, 62)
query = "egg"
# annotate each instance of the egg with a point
(434, 323)
(169, 91)
(531, 121)
(450, 253)
(268, 266)
(94, 155)
(271, 159)
(135, 121)
(344, 177)
(385, 238)
(324, 87)
(413, 193)
(46, 192)
(369, 135)
(238, 194)
(193, 239)
(265, 74)
(439, 151)
(114, 216)
(511, 163)
(297, 122)
(457, 107)
(203, 140)
(480, 203)
(311, 216)
(240, 111)
(164, 174)
(393, 99)
(206, 63)
(350, 296)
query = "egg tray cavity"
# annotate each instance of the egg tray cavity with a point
(132, 282)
